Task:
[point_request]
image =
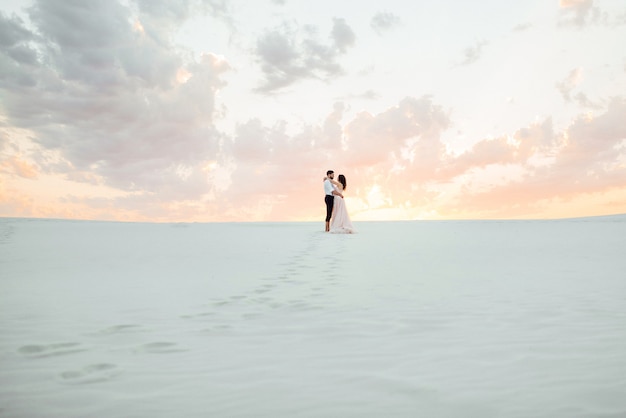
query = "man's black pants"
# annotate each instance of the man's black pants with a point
(330, 200)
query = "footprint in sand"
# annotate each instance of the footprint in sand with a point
(6, 231)
(201, 315)
(124, 328)
(94, 373)
(264, 288)
(301, 306)
(50, 350)
(161, 347)
(217, 330)
(251, 315)
(316, 294)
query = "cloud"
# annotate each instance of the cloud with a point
(519, 148)
(273, 172)
(12, 31)
(369, 95)
(93, 43)
(578, 13)
(270, 165)
(342, 35)
(332, 129)
(166, 11)
(473, 53)
(106, 98)
(288, 54)
(13, 201)
(19, 167)
(584, 101)
(569, 83)
(585, 158)
(173, 13)
(15, 42)
(573, 79)
(591, 142)
(535, 163)
(97, 94)
(253, 142)
(384, 21)
(16, 52)
(413, 123)
(522, 27)
(366, 95)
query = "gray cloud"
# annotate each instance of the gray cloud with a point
(162, 18)
(384, 21)
(342, 35)
(522, 27)
(94, 42)
(16, 52)
(177, 12)
(473, 53)
(366, 95)
(570, 82)
(586, 102)
(12, 31)
(287, 54)
(105, 96)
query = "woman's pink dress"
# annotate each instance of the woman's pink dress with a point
(340, 222)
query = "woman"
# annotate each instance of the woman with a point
(340, 222)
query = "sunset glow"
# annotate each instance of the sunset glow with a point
(199, 110)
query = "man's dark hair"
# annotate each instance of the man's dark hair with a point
(329, 172)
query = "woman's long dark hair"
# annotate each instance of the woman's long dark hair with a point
(342, 180)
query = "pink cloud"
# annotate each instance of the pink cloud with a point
(578, 12)
(19, 167)
(587, 159)
(573, 79)
(413, 122)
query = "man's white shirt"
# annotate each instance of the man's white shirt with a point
(328, 187)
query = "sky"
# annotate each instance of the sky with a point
(233, 110)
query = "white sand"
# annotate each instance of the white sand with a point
(404, 319)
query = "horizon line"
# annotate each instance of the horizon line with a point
(614, 215)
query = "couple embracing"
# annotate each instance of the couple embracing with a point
(337, 218)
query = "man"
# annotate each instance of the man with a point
(329, 198)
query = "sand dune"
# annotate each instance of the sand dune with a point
(404, 319)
